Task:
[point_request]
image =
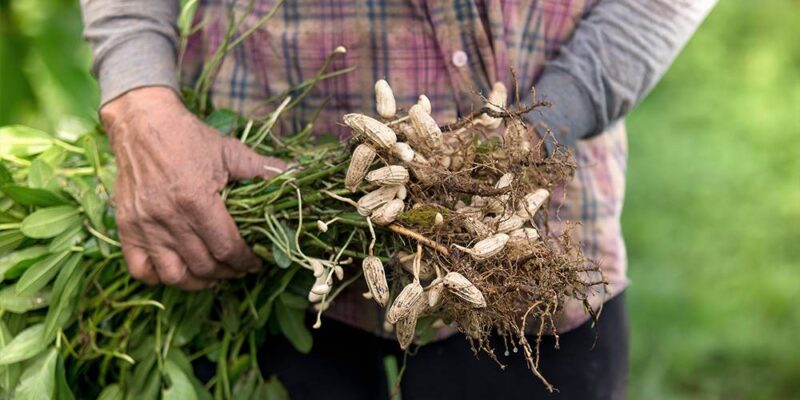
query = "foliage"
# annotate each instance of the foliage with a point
(73, 321)
(712, 217)
(44, 66)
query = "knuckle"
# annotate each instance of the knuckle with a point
(172, 274)
(156, 208)
(185, 198)
(140, 272)
(204, 269)
(156, 212)
(189, 199)
(224, 250)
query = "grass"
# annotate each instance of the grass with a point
(712, 216)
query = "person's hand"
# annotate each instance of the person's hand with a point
(173, 224)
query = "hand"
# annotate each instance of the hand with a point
(173, 224)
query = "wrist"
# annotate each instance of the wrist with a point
(140, 99)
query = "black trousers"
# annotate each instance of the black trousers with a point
(347, 363)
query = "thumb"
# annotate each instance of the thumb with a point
(244, 163)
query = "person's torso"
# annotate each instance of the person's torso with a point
(447, 50)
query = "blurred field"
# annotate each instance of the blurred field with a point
(712, 215)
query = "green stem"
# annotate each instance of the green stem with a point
(302, 85)
(308, 200)
(68, 147)
(81, 171)
(319, 175)
(258, 24)
(317, 242)
(345, 221)
(299, 181)
(222, 391)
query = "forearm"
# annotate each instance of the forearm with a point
(134, 43)
(618, 52)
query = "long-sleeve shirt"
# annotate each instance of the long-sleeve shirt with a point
(594, 60)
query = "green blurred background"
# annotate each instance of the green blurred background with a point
(712, 215)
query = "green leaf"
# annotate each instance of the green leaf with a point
(63, 392)
(111, 392)
(5, 216)
(5, 174)
(11, 301)
(93, 206)
(22, 141)
(40, 274)
(19, 268)
(186, 17)
(281, 258)
(238, 366)
(53, 156)
(223, 120)
(272, 389)
(198, 309)
(145, 360)
(291, 321)
(292, 300)
(180, 359)
(25, 345)
(180, 387)
(146, 380)
(63, 295)
(286, 236)
(277, 287)
(40, 174)
(231, 318)
(11, 259)
(108, 176)
(26, 196)
(9, 240)
(425, 330)
(65, 240)
(39, 379)
(5, 203)
(246, 385)
(9, 374)
(66, 275)
(91, 150)
(201, 391)
(51, 221)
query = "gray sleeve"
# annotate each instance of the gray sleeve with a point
(134, 43)
(618, 52)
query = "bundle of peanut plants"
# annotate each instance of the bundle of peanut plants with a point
(446, 224)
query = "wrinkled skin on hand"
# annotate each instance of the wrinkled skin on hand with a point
(173, 224)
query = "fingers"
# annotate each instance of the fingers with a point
(200, 261)
(173, 271)
(139, 264)
(244, 163)
(170, 251)
(221, 236)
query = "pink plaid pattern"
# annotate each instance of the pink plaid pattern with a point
(448, 50)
